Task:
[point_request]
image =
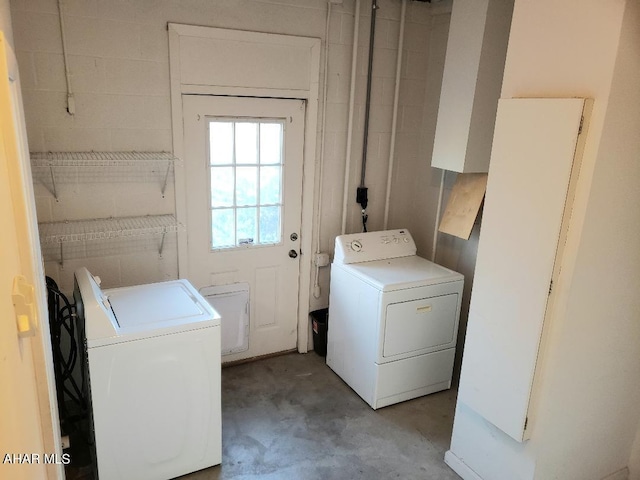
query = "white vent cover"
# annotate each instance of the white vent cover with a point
(232, 303)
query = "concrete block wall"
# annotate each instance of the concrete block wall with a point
(119, 63)
(415, 182)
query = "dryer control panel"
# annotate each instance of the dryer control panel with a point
(369, 246)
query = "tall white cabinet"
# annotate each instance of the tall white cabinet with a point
(471, 82)
(535, 163)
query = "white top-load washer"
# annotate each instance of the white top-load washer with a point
(153, 356)
(393, 318)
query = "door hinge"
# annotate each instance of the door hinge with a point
(550, 287)
(526, 422)
(581, 124)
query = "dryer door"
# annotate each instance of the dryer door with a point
(420, 326)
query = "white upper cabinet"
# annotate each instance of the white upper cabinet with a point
(534, 166)
(471, 83)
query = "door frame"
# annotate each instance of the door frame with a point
(307, 50)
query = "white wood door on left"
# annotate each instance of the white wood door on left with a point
(28, 423)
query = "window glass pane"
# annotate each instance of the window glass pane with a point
(246, 186)
(222, 228)
(221, 186)
(270, 185)
(246, 142)
(246, 227)
(270, 143)
(220, 143)
(270, 231)
(246, 171)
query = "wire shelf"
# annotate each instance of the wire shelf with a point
(101, 159)
(120, 165)
(106, 228)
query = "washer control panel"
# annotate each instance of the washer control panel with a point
(366, 247)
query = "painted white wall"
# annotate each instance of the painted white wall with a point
(600, 372)
(588, 402)
(415, 185)
(118, 55)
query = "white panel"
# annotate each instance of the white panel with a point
(266, 287)
(352, 336)
(472, 77)
(366, 247)
(156, 405)
(531, 162)
(232, 303)
(420, 324)
(413, 377)
(223, 278)
(214, 61)
(464, 48)
(137, 307)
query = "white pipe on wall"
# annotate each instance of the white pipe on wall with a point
(71, 105)
(394, 121)
(352, 98)
(316, 283)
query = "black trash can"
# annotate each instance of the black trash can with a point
(319, 324)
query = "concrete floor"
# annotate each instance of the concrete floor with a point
(291, 417)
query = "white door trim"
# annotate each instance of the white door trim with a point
(308, 92)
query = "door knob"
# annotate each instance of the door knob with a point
(293, 253)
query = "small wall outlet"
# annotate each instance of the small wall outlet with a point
(66, 443)
(321, 259)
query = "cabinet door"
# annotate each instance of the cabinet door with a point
(531, 165)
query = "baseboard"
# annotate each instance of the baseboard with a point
(462, 468)
(622, 474)
(466, 473)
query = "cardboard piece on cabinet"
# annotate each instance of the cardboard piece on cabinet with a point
(464, 204)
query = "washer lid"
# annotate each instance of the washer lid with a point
(156, 305)
(144, 311)
(401, 273)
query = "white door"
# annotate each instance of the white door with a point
(243, 172)
(525, 214)
(26, 415)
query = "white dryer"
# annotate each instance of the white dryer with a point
(154, 378)
(393, 318)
